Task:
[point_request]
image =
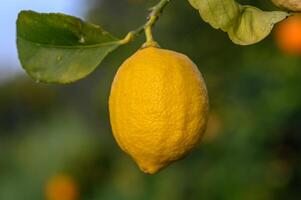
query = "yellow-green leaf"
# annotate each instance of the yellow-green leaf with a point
(293, 5)
(245, 25)
(253, 25)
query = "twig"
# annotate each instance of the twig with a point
(154, 15)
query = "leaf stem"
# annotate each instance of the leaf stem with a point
(154, 15)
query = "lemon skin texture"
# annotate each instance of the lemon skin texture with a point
(158, 107)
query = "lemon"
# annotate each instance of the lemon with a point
(158, 107)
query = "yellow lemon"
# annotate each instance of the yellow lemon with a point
(158, 107)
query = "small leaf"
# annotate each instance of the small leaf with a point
(293, 5)
(57, 48)
(218, 13)
(254, 25)
(245, 25)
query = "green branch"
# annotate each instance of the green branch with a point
(154, 15)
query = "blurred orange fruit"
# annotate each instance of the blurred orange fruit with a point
(61, 187)
(288, 35)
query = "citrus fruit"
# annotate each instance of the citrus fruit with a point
(61, 187)
(158, 107)
(288, 35)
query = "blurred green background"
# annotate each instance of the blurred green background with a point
(251, 150)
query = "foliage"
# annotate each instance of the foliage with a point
(294, 5)
(245, 25)
(57, 48)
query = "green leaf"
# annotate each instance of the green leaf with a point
(57, 48)
(245, 25)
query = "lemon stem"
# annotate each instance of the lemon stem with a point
(154, 15)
